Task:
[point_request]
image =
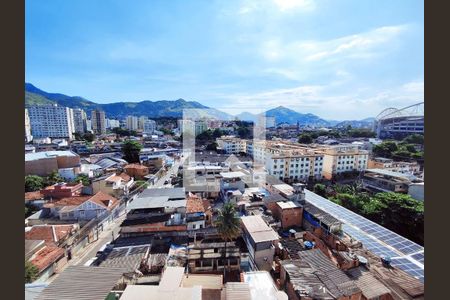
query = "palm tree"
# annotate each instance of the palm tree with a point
(228, 225)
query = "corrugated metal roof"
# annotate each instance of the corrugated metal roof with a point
(369, 285)
(126, 257)
(155, 202)
(82, 283)
(47, 154)
(237, 291)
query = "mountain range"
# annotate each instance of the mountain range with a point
(173, 108)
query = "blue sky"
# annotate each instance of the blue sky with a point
(339, 59)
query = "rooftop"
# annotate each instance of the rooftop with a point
(258, 229)
(315, 276)
(369, 285)
(262, 286)
(194, 204)
(287, 205)
(392, 174)
(47, 154)
(171, 193)
(128, 258)
(49, 233)
(155, 202)
(87, 283)
(229, 175)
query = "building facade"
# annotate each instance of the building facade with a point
(341, 159)
(141, 122)
(98, 122)
(51, 121)
(28, 136)
(231, 145)
(132, 123)
(79, 120)
(149, 126)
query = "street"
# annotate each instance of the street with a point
(113, 228)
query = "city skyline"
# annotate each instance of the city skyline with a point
(311, 56)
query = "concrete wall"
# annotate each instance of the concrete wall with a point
(41, 167)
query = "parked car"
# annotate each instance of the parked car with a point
(104, 249)
(90, 262)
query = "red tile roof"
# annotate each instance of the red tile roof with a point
(47, 256)
(33, 196)
(74, 201)
(194, 204)
(103, 199)
(45, 232)
(135, 166)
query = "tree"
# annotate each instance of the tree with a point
(228, 224)
(130, 150)
(89, 137)
(414, 139)
(211, 146)
(244, 132)
(53, 178)
(320, 189)
(31, 272)
(167, 131)
(83, 178)
(385, 149)
(305, 139)
(33, 183)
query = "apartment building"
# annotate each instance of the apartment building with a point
(141, 122)
(52, 121)
(200, 127)
(132, 123)
(98, 121)
(79, 120)
(231, 145)
(341, 159)
(28, 136)
(149, 126)
(289, 161)
(110, 123)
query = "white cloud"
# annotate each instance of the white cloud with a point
(327, 102)
(282, 6)
(287, 5)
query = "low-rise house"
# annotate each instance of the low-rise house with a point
(156, 211)
(62, 190)
(314, 276)
(51, 234)
(48, 260)
(371, 287)
(136, 171)
(82, 207)
(261, 241)
(382, 180)
(116, 185)
(232, 187)
(195, 213)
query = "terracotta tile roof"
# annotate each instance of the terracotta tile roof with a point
(206, 204)
(135, 166)
(194, 204)
(76, 200)
(125, 177)
(33, 196)
(103, 199)
(47, 256)
(45, 232)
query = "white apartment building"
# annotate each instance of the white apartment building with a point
(187, 126)
(141, 122)
(288, 161)
(231, 145)
(149, 126)
(79, 120)
(110, 123)
(132, 123)
(51, 121)
(28, 136)
(98, 121)
(343, 158)
(200, 127)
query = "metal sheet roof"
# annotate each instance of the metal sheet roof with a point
(258, 229)
(82, 283)
(47, 154)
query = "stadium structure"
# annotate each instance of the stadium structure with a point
(398, 123)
